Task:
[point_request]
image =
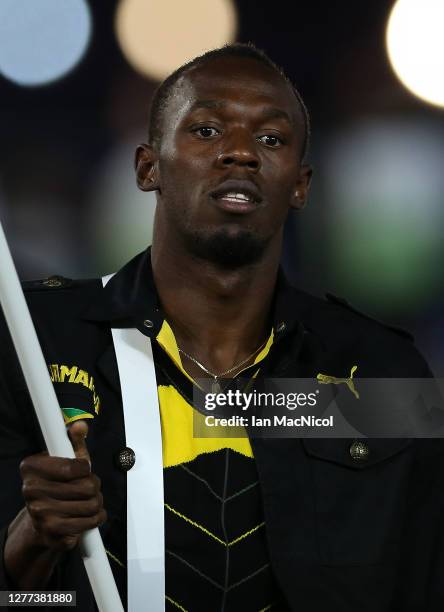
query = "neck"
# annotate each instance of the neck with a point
(218, 316)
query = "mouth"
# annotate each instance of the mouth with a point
(237, 196)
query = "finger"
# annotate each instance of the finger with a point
(61, 544)
(49, 510)
(78, 432)
(56, 527)
(59, 469)
(75, 490)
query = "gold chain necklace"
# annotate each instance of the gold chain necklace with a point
(215, 386)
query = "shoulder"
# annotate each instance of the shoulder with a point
(68, 338)
(57, 306)
(343, 312)
(341, 327)
(60, 292)
(59, 285)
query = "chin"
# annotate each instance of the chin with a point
(227, 249)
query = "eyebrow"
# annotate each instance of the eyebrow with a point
(271, 112)
(277, 113)
(216, 104)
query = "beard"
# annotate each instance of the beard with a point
(225, 249)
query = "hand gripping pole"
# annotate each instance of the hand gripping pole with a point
(50, 417)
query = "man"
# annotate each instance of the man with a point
(249, 524)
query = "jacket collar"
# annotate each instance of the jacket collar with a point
(130, 299)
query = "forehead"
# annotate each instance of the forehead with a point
(242, 81)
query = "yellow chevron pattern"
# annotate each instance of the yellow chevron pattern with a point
(208, 533)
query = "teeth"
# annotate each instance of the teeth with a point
(238, 197)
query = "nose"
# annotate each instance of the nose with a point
(240, 150)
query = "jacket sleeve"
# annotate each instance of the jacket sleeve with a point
(19, 437)
(420, 583)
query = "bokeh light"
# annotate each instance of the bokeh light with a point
(385, 184)
(42, 41)
(415, 45)
(157, 37)
(126, 214)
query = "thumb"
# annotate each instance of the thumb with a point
(78, 432)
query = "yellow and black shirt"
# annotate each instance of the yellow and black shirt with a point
(215, 546)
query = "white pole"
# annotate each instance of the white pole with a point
(50, 417)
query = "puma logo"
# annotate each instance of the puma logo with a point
(324, 379)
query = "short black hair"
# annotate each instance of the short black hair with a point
(163, 92)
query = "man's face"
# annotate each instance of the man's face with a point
(229, 160)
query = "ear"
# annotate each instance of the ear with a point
(146, 168)
(300, 193)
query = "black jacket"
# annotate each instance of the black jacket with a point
(343, 534)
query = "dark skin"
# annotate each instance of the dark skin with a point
(214, 130)
(63, 500)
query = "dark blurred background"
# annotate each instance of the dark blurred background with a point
(372, 230)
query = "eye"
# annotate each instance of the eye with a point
(271, 140)
(205, 131)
